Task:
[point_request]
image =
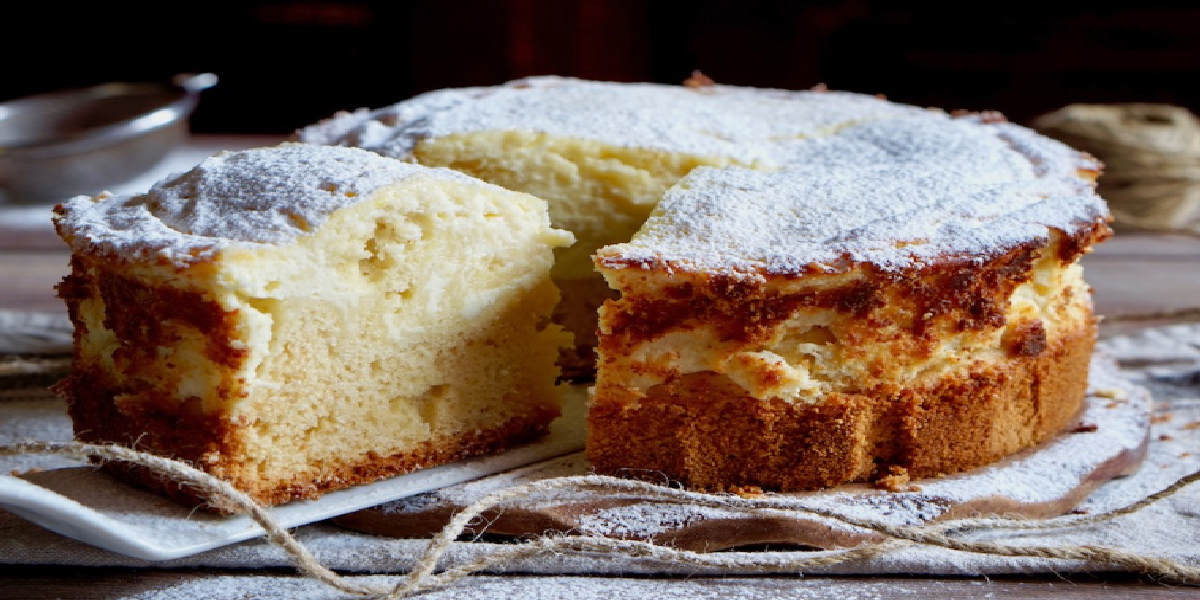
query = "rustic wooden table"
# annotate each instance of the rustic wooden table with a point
(1139, 279)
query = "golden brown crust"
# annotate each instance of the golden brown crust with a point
(146, 318)
(704, 430)
(1080, 242)
(948, 297)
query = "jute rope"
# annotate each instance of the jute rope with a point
(207, 486)
(424, 575)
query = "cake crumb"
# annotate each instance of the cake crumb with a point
(1164, 418)
(896, 481)
(747, 491)
(1086, 428)
(699, 80)
(1192, 425)
(1165, 438)
(1112, 394)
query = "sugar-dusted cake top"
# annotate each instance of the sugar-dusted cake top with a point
(895, 193)
(856, 178)
(267, 195)
(752, 125)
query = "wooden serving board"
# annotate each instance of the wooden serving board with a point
(1049, 480)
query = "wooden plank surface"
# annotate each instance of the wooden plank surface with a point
(1143, 273)
(46, 583)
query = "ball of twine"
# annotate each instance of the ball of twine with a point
(1151, 156)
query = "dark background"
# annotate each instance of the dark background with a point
(284, 65)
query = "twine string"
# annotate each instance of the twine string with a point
(216, 490)
(424, 575)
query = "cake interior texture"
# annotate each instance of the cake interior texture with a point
(402, 325)
(600, 192)
(601, 154)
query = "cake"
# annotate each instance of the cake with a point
(600, 153)
(798, 289)
(298, 319)
(904, 300)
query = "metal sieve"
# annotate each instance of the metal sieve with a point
(80, 141)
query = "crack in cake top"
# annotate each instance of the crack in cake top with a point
(753, 125)
(269, 195)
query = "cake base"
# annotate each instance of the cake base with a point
(1051, 479)
(704, 430)
(92, 402)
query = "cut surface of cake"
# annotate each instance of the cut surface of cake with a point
(299, 319)
(601, 153)
(904, 297)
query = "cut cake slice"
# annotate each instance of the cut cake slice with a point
(299, 319)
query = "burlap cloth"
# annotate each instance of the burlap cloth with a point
(1151, 156)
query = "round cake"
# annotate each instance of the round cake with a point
(804, 288)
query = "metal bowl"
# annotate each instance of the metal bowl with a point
(81, 141)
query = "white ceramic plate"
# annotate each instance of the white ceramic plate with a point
(88, 505)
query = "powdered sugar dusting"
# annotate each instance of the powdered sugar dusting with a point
(262, 586)
(895, 193)
(258, 196)
(855, 178)
(894, 216)
(750, 124)
(644, 519)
